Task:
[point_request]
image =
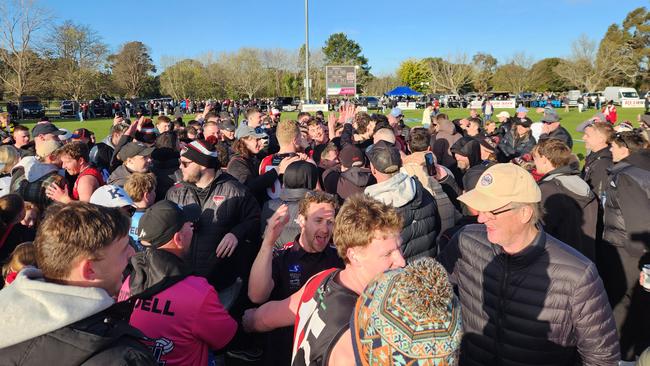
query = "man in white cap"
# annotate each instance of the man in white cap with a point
(526, 297)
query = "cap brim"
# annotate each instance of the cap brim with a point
(482, 202)
(146, 152)
(58, 132)
(583, 126)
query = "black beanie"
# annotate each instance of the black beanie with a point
(201, 153)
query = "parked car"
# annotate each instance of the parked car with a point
(31, 107)
(69, 108)
(592, 97)
(619, 93)
(573, 96)
(284, 104)
(370, 102)
(455, 101)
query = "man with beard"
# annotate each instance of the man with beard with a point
(224, 238)
(279, 276)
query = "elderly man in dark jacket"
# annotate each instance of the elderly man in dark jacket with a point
(414, 203)
(553, 130)
(526, 297)
(226, 237)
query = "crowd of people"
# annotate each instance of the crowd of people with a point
(344, 239)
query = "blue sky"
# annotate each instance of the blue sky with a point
(388, 31)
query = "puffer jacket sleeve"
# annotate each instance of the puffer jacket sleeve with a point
(248, 211)
(597, 339)
(450, 256)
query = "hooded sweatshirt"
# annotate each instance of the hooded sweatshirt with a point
(30, 178)
(442, 141)
(347, 183)
(418, 209)
(180, 314)
(75, 324)
(571, 209)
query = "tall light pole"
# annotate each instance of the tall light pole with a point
(307, 51)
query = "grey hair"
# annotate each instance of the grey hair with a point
(536, 207)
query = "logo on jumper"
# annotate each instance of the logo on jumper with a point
(218, 199)
(486, 180)
(160, 347)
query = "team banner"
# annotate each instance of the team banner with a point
(632, 103)
(314, 107)
(496, 104)
(341, 80)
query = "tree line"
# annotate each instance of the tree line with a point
(622, 57)
(70, 60)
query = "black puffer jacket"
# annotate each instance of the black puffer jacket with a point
(596, 170)
(543, 306)
(418, 209)
(627, 204)
(226, 207)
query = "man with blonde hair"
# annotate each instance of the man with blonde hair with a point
(367, 237)
(291, 143)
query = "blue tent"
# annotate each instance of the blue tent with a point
(402, 91)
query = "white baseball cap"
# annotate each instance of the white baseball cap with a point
(111, 196)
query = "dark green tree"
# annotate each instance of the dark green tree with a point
(340, 50)
(543, 76)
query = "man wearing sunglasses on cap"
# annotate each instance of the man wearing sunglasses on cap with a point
(526, 297)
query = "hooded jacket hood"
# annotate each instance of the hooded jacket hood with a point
(570, 179)
(32, 307)
(358, 176)
(397, 191)
(470, 148)
(155, 270)
(35, 169)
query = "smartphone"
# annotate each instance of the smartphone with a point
(431, 166)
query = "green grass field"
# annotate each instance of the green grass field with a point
(569, 120)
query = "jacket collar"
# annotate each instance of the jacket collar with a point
(528, 255)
